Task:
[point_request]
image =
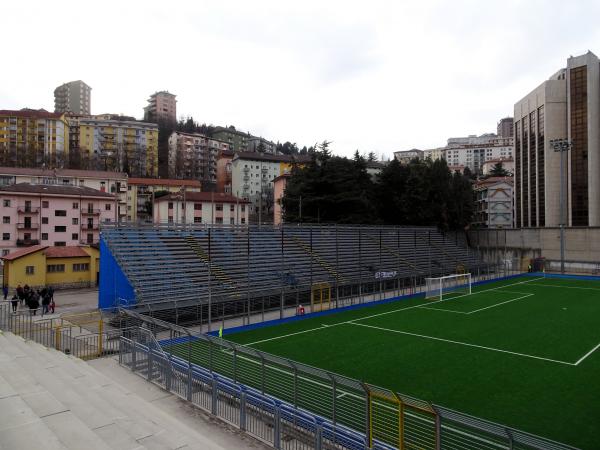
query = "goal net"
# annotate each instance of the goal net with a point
(441, 287)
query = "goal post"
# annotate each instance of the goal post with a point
(440, 287)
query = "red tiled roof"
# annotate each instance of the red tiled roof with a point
(22, 252)
(61, 173)
(65, 252)
(33, 113)
(218, 197)
(164, 182)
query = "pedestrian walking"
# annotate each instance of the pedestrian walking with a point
(5, 291)
(45, 302)
(34, 303)
(20, 293)
(14, 302)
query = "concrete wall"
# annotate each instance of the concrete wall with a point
(518, 246)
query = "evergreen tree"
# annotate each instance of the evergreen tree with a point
(498, 170)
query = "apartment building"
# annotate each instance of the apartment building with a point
(474, 151)
(566, 106)
(406, 156)
(161, 108)
(260, 145)
(505, 127)
(237, 140)
(37, 214)
(252, 176)
(194, 156)
(114, 183)
(74, 97)
(494, 203)
(33, 138)
(434, 153)
(201, 208)
(120, 145)
(142, 191)
(279, 184)
(224, 171)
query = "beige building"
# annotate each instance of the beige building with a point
(474, 151)
(201, 208)
(567, 106)
(406, 156)
(74, 97)
(114, 183)
(162, 108)
(434, 153)
(505, 128)
(142, 191)
(194, 156)
(494, 203)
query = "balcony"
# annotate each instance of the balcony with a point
(27, 226)
(27, 242)
(28, 209)
(90, 226)
(90, 212)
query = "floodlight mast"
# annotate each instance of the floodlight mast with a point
(562, 146)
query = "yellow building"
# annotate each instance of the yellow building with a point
(31, 138)
(60, 267)
(123, 145)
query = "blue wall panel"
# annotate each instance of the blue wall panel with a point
(114, 285)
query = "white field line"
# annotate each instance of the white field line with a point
(283, 336)
(424, 336)
(445, 310)
(502, 303)
(566, 287)
(587, 354)
(495, 289)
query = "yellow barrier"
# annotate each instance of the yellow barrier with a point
(320, 296)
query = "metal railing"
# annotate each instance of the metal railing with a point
(302, 406)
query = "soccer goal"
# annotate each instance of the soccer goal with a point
(440, 287)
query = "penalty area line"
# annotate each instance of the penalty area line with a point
(466, 344)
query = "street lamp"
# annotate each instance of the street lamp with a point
(562, 146)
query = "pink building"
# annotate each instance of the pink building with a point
(279, 184)
(34, 214)
(224, 171)
(201, 207)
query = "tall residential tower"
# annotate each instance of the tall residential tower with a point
(74, 97)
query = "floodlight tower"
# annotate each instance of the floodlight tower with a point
(562, 146)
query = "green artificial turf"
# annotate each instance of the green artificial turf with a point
(512, 352)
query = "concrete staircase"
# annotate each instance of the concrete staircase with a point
(51, 400)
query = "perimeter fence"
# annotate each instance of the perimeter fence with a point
(291, 405)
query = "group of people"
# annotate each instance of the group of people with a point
(32, 298)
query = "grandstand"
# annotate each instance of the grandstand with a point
(200, 274)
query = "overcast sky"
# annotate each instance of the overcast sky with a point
(369, 75)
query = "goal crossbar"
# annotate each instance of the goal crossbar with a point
(438, 287)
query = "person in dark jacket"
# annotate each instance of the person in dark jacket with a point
(5, 291)
(20, 293)
(14, 302)
(45, 301)
(34, 302)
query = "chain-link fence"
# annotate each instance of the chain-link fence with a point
(291, 405)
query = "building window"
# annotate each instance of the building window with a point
(232, 208)
(52, 268)
(243, 208)
(219, 207)
(45, 220)
(197, 206)
(231, 221)
(170, 219)
(74, 236)
(6, 219)
(219, 220)
(75, 205)
(46, 205)
(59, 212)
(6, 236)
(170, 205)
(5, 252)
(60, 244)
(243, 220)
(75, 221)
(60, 229)
(29, 270)
(82, 267)
(44, 236)
(107, 207)
(197, 219)
(6, 203)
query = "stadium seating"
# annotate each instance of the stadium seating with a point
(235, 262)
(53, 401)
